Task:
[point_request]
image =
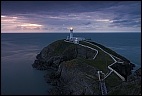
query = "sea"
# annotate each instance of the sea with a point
(19, 50)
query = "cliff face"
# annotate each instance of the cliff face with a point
(73, 78)
(72, 70)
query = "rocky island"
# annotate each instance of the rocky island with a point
(73, 71)
(76, 66)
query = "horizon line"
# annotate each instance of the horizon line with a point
(74, 32)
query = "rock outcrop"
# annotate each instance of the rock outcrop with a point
(71, 70)
(60, 51)
(131, 87)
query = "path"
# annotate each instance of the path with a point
(103, 88)
(102, 83)
(101, 80)
(87, 47)
(112, 56)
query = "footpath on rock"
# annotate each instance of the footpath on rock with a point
(74, 68)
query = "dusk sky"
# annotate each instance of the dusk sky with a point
(59, 16)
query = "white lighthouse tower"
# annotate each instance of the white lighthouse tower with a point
(73, 39)
(71, 33)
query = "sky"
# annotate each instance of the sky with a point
(59, 16)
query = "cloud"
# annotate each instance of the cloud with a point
(126, 14)
(15, 23)
(53, 6)
(83, 16)
(105, 20)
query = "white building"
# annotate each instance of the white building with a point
(74, 39)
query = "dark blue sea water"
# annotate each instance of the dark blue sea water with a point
(18, 52)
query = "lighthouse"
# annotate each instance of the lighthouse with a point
(71, 33)
(73, 39)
